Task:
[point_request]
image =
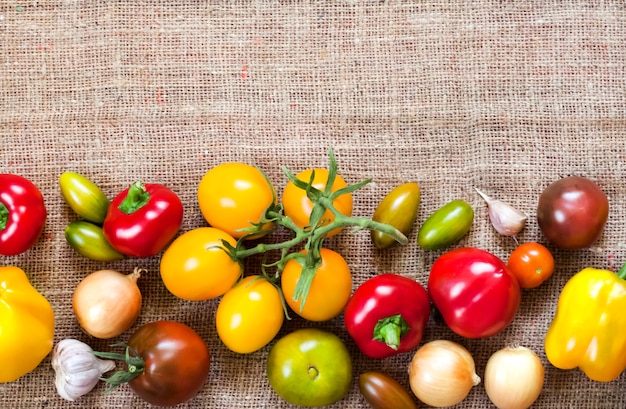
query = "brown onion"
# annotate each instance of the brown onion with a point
(107, 303)
(442, 373)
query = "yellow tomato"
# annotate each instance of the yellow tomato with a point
(196, 266)
(330, 288)
(26, 325)
(249, 315)
(233, 196)
(297, 206)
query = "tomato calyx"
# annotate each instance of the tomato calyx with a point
(135, 366)
(313, 372)
(137, 197)
(390, 330)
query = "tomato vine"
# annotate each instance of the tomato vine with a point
(312, 236)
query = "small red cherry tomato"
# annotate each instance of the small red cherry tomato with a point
(531, 263)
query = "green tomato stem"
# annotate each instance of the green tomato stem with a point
(342, 220)
(313, 235)
(264, 247)
(303, 285)
(134, 363)
(136, 198)
(4, 216)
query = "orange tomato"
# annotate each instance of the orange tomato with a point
(196, 267)
(233, 196)
(531, 263)
(297, 206)
(330, 288)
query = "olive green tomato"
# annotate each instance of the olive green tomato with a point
(310, 367)
(398, 209)
(84, 197)
(89, 241)
(446, 225)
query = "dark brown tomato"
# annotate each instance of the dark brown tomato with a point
(176, 362)
(572, 212)
(382, 391)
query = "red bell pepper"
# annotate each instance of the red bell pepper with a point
(143, 219)
(22, 214)
(474, 291)
(387, 315)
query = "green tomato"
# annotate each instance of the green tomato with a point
(398, 209)
(89, 241)
(310, 367)
(84, 197)
(446, 225)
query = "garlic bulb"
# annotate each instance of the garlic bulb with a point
(514, 378)
(506, 219)
(77, 369)
(442, 373)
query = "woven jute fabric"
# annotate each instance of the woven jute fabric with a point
(505, 96)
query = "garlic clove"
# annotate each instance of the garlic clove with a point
(506, 219)
(77, 369)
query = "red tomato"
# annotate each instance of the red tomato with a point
(572, 212)
(532, 264)
(173, 363)
(474, 291)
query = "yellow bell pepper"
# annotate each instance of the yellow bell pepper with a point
(26, 325)
(589, 328)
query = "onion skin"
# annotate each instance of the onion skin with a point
(382, 391)
(442, 373)
(514, 378)
(107, 303)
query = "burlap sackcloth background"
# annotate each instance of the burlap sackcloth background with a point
(501, 95)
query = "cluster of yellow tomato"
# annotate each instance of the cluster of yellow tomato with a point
(233, 197)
